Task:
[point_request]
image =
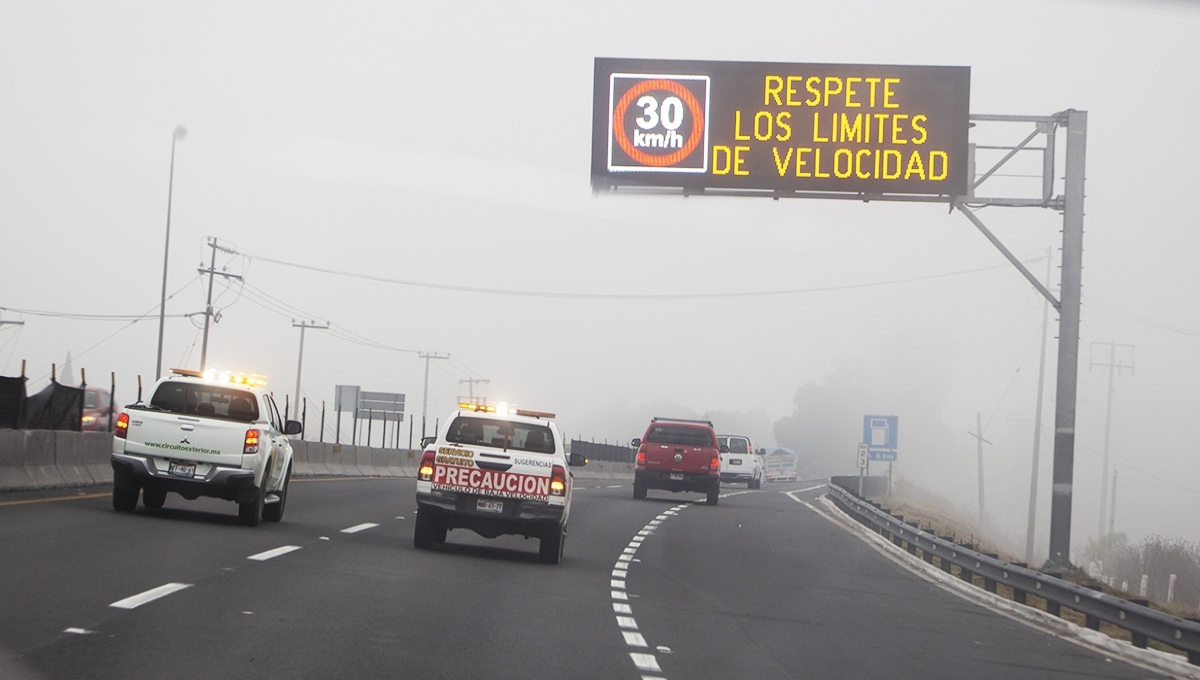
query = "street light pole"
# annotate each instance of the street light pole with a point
(178, 135)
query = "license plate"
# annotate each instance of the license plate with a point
(489, 506)
(676, 475)
(735, 461)
(186, 470)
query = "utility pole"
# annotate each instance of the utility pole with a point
(979, 442)
(1113, 368)
(471, 386)
(1037, 422)
(300, 361)
(425, 396)
(208, 310)
(1112, 506)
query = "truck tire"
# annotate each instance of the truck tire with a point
(639, 489)
(551, 549)
(125, 492)
(153, 496)
(713, 493)
(250, 513)
(274, 511)
(424, 530)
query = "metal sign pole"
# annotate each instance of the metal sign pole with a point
(1068, 344)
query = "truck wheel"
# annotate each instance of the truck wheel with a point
(712, 495)
(125, 492)
(551, 549)
(153, 496)
(425, 530)
(274, 511)
(250, 513)
(439, 534)
(639, 489)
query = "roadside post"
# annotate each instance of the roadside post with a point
(863, 453)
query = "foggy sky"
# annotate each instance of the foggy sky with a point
(448, 144)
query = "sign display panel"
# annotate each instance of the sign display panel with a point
(779, 127)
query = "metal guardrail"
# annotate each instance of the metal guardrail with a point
(1142, 622)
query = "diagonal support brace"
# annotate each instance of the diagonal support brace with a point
(1008, 254)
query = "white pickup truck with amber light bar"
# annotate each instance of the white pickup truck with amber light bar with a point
(495, 471)
(218, 435)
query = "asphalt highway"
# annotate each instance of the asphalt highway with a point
(760, 586)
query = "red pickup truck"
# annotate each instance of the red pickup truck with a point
(679, 455)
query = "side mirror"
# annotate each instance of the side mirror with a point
(426, 441)
(577, 460)
(293, 427)
(724, 449)
(762, 452)
(635, 443)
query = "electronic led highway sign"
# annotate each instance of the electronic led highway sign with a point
(776, 127)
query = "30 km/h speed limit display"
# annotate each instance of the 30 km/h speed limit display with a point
(774, 127)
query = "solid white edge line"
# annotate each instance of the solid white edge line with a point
(140, 599)
(275, 552)
(1035, 618)
(359, 527)
(645, 662)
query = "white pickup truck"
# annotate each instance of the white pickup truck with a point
(219, 436)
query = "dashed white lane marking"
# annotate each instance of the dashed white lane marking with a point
(634, 639)
(616, 486)
(276, 552)
(79, 631)
(359, 527)
(149, 596)
(625, 620)
(645, 662)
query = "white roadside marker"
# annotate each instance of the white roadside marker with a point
(359, 527)
(645, 662)
(149, 596)
(281, 550)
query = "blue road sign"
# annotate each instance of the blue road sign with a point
(879, 434)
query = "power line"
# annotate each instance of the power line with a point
(613, 296)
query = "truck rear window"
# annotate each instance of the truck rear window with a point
(739, 445)
(679, 434)
(501, 434)
(206, 401)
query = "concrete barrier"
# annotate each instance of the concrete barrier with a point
(43, 459)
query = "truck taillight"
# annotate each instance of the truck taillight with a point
(558, 481)
(122, 426)
(641, 458)
(714, 467)
(425, 471)
(251, 444)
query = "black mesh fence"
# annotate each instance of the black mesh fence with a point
(607, 452)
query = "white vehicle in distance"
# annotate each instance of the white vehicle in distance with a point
(205, 434)
(742, 463)
(496, 471)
